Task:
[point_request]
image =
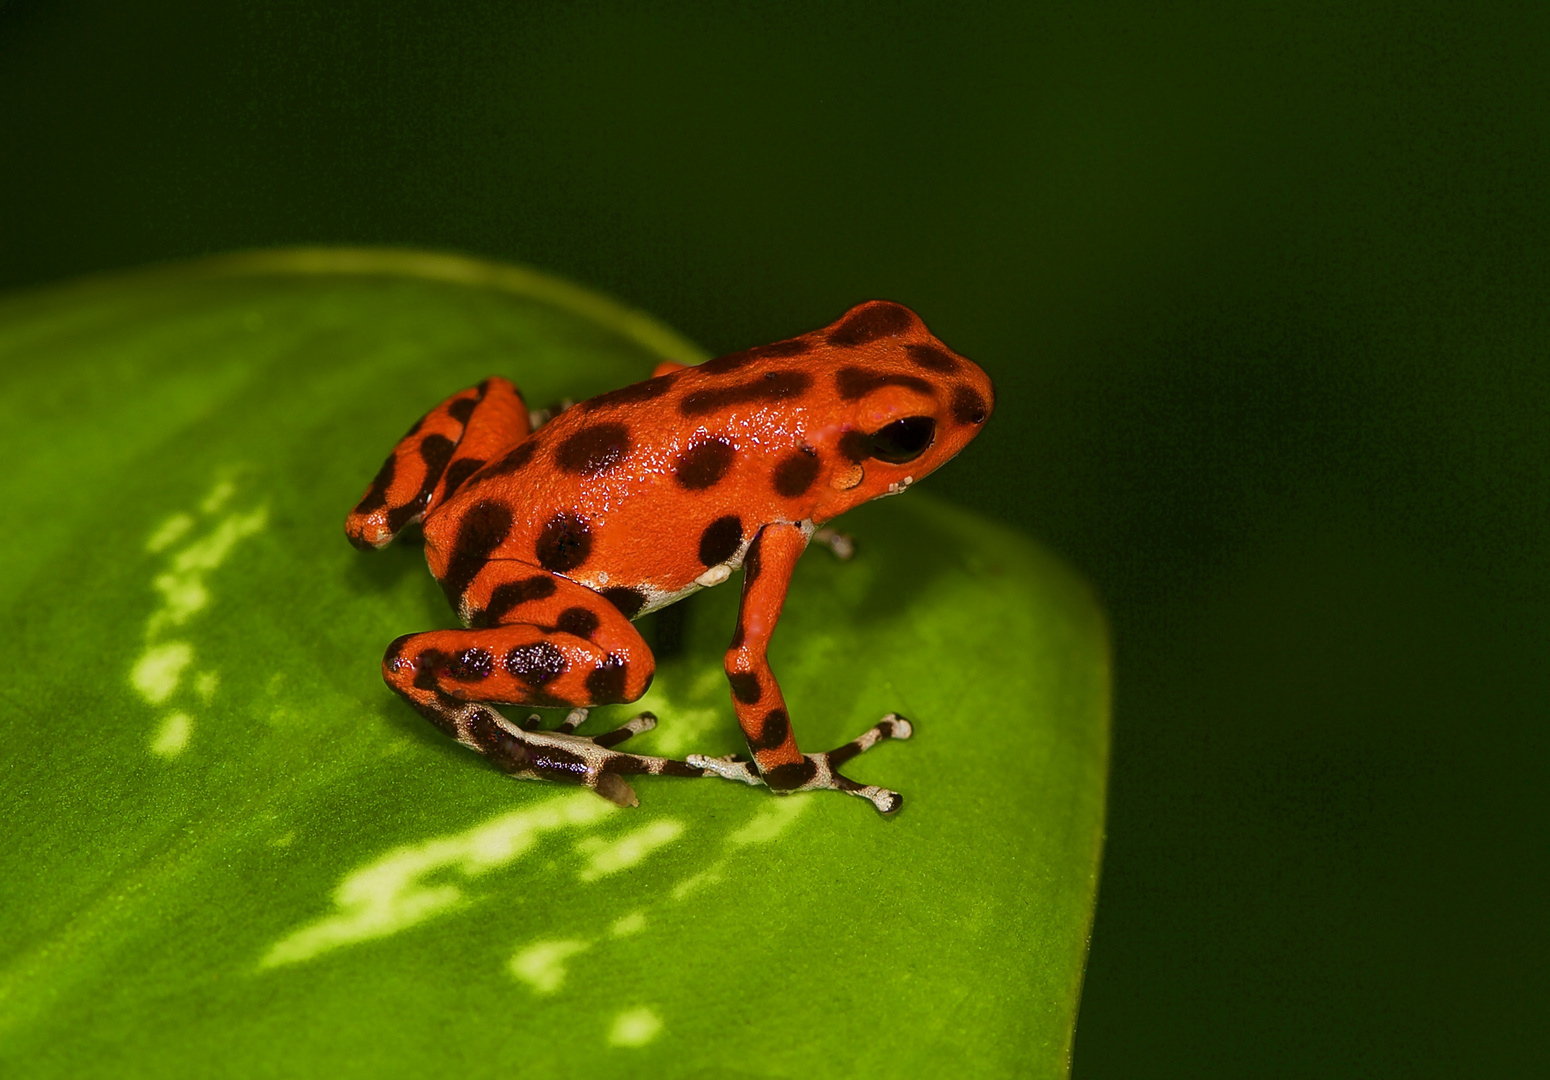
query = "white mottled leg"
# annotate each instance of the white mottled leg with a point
(573, 720)
(731, 767)
(554, 755)
(643, 722)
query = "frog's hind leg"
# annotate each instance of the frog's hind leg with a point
(537, 639)
(442, 450)
(419, 667)
(547, 755)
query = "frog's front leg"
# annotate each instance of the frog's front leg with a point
(542, 640)
(443, 449)
(761, 709)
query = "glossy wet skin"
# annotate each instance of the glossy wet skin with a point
(633, 499)
(772, 434)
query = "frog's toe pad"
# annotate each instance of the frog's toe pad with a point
(887, 802)
(614, 788)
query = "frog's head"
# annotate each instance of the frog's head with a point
(898, 404)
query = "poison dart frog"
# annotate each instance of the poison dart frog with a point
(549, 535)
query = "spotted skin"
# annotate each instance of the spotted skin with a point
(441, 451)
(704, 464)
(548, 541)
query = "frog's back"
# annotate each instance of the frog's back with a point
(661, 486)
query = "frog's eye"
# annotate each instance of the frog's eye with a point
(903, 440)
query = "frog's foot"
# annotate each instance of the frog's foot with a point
(843, 545)
(819, 771)
(537, 418)
(557, 755)
(638, 723)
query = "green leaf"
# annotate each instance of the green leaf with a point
(232, 850)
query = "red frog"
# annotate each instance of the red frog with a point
(549, 541)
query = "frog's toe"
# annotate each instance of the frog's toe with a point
(573, 720)
(887, 802)
(731, 767)
(637, 724)
(614, 788)
(892, 726)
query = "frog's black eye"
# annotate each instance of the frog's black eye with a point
(903, 440)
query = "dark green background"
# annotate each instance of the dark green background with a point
(1266, 295)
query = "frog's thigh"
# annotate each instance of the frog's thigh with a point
(518, 664)
(537, 639)
(507, 591)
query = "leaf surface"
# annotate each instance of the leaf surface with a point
(233, 851)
